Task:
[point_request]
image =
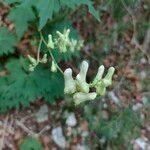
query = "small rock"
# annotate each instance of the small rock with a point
(137, 107)
(143, 74)
(71, 120)
(105, 115)
(58, 137)
(42, 114)
(82, 147)
(141, 142)
(84, 133)
(84, 126)
(148, 146)
(145, 101)
(105, 105)
(114, 98)
(102, 140)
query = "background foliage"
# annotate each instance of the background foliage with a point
(20, 87)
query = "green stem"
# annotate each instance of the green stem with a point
(50, 52)
(39, 48)
(55, 61)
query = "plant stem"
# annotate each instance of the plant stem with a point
(39, 48)
(50, 52)
(55, 61)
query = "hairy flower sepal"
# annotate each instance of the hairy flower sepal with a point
(82, 85)
(82, 97)
(70, 85)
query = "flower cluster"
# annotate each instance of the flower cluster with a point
(35, 62)
(81, 89)
(63, 42)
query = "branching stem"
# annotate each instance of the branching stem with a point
(134, 40)
(50, 52)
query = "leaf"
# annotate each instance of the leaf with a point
(7, 41)
(11, 1)
(46, 9)
(60, 26)
(73, 3)
(21, 87)
(31, 144)
(94, 12)
(21, 15)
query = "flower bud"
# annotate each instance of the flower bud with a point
(79, 45)
(62, 47)
(63, 40)
(81, 78)
(31, 68)
(66, 33)
(44, 59)
(32, 60)
(50, 42)
(53, 67)
(108, 78)
(99, 74)
(70, 85)
(82, 97)
(61, 36)
(72, 45)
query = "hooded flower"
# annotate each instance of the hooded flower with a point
(82, 97)
(70, 85)
(82, 85)
(108, 78)
(99, 74)
(50, 42)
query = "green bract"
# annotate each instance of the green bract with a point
(81, 89)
